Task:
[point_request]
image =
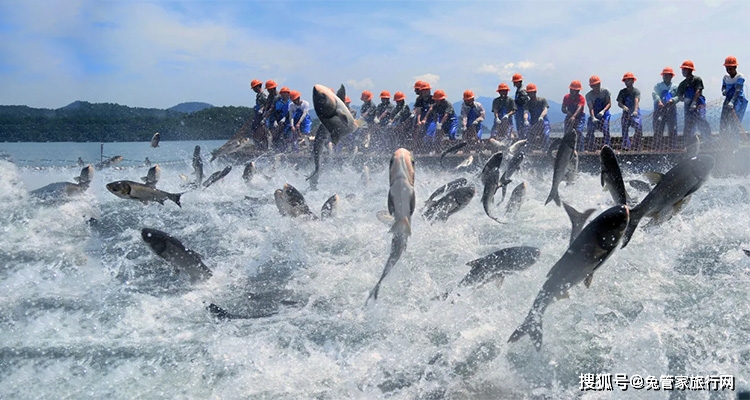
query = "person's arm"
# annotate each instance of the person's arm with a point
(579, 109)
(512, 108)
(656, 97)
(480, 118)
(737, 89)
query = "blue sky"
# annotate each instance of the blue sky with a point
(161, 53)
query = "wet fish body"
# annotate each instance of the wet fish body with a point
(138, 191)
(611, 176)
(562, 159)
(198, 165)
(453, 202)
(490, 177)
(330, 207)
(153, 176)
(498, 264)
(186, 261)
(216, 176)
(155, 140)
(588, 252)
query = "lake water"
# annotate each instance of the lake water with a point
(88, 311)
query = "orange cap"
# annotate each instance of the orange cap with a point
(439, 95)
(425, 86)
(347, 99)
(575, 85)
(270, 84)
(687, 64)
(366, 95)
(418, 85)
(385, 94)
(628, 75)
(594, 80)
(294, 95)
(468, 95)
(399, 96)
(284, 90)
(530, 88)
(517, 78)
(667, 71)
(502, 87)
(255, 83)
(730, 61)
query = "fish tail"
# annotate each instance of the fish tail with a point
(218, 312)
(175, 197)
(553, 195)
(532, 326)
(635, 218)
(577, 219)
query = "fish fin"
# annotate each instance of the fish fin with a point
(532, 326)
(401, 227)
(175, 197)
(588, 280)
(747, 252)
(577, 219)
(78, 179)
(218, 312)
(553, 195)
(144, 178)
(653, 177)
(391, 206)
(635, 218)
(385, 217)
(341, 93)
(601, 179)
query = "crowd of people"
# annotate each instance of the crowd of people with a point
(285, 118)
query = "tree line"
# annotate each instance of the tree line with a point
(107, 122)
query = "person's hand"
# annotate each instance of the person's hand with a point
(660, 105)
(505, 117)
(600, 114)
(526, 123)
(439, 125)
(376, 120)
(541, 119)
(497, 120)
(594, 120)
(730, 105)
(634, 114)
(474, 124)
(693, 107)
(625, 109)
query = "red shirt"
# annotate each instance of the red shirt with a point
(571, 103)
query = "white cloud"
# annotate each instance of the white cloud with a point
(364, 84)
(432, 79)
(506, 71)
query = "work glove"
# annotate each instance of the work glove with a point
(634, 114)
(693, 107)
(730, 105)
(505, 117)
(594, 120)
(439, 126)
(526, 123)
(377, 120)
(541, 119)
(497, 120)
(625, 110)
(600, 114)
(475, 124)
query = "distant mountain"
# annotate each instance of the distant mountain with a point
(190, 107)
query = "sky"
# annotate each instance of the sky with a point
(157, 54)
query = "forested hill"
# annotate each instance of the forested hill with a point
(81, 121)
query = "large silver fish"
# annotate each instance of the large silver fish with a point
(155, 140)
(61, 191)
(153, 176)
(453, 202)
(498, 264)
(335, 118)
(611, 176)
(517, 198)
(590, 249)
(672, 191)
(456, 147)
(401, 204)
(490, 177)
(138, 191)
(197, 166)
(513, 166)
(216, 176)
(450, 186)
(330, 207)
(564, 155)
(248, 172)
(291, 202)
(186, 261)
(108, 163)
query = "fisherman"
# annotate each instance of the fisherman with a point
(425, 127)
(301, 124)
(503, 108)
(690, 91)
(599, 101)
(270, 107)
(472, 116)
(445, 117)
(382, 137)
(260, 101)
(629, 100)
(366, 113)
(572, 107)
(281, 118)
(521, 98)
(80, 162)
(535, 109)
(665, 111)
(399, 120)
(732, 87)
